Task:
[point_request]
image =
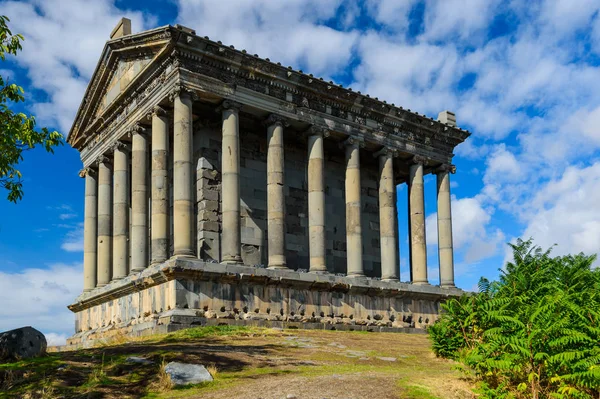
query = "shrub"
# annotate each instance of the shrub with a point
(535, 333)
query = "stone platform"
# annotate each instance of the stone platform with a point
(182, 293)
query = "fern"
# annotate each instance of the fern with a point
(534, 333)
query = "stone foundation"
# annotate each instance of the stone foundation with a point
(182, 293)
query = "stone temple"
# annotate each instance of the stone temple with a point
(224, 188)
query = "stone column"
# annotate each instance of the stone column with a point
(160, 187)
(388, 221)
(120, 210)
(316, 200)
(230, 189)
(444, 219)
(353, 209)
(139, 199)
(90, 230)
(182, 175)
(104, 221)
(275, 192)
(416, 205)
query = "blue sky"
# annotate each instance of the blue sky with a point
(522, 75)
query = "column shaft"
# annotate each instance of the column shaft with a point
(444, 219)
(418, 250)
(104, 222)
(160, 187)
(275, 196)
(182, 176)
(353, 208)
(139, 201)
(90, 231)
(230, 191)
(388, 222)
(316, 203)
(120, 211)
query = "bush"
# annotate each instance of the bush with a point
(535, 333)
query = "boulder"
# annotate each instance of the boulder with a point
(22, 343)
(184, 373)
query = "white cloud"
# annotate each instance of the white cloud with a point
(464, 19)
(393, 13)
(63, 42)
(565, 212)
(289, 32)
(53, 339)
(73, 241)
(65, 216)
(472, 232)
(40, 297)
(502, 166)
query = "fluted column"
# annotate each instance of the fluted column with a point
(353, 208)
(275, 192)
(316, 200)
(139, 199)
(416, 204)
(388, 221)
(230, 190)
(160, 187)
(444, 219)
(182, 175)
(90, 229)
(104, 221)
(120, 210)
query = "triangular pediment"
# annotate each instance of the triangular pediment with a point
(123, 64)
(125, 72)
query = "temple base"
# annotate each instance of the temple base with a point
(182, 293)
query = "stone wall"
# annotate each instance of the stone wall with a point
(185, 293)
(253, 158)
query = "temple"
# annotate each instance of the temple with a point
(223, 188)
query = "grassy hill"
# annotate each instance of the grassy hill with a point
(246, 363)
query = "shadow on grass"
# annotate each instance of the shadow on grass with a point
(105, 372)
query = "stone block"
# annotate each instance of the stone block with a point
(182, 374)
(22, 343)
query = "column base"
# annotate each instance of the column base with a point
(390, 279)
(118, 278)
(231, 260)
(319, 271)
(183, 256)
(448, 285)
(100, 285)
(420, 282)
(277, 266)
(134, 271)
(355, 275)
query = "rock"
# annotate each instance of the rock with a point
(138, 360)
(22, 343)
(387, 359)
(291, 396)
(184, 373)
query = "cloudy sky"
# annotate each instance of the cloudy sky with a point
(522, 75)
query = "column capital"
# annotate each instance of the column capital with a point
(419, 160)
(353, 141)
(180, 90)
(121, 146)
(386, 151)
(230, 104)
(445, 167)
(137, 129)
(102, 160)
(315, 130)
(274, 119)
(87, 171)
(157, 110)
